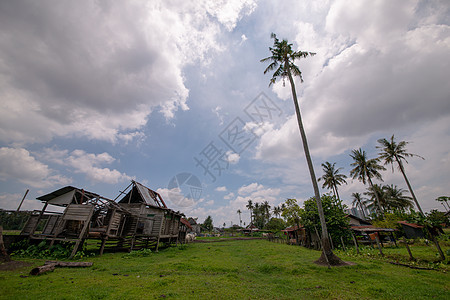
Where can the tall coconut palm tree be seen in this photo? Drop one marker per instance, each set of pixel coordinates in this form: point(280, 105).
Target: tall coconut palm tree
point(240, 220)
point(442, 200)
point(357, 201)
point(391, 152)
point(250, 208)
point(396, 199)
point(331, 178)
point(366, 169)
point(277, 211)
point(282, 62)
point(376, 194)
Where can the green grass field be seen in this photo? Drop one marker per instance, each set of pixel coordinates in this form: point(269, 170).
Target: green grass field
point(243, 269)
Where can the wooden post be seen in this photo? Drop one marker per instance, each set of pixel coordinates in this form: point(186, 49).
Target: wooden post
point(343, 245)
point(4, 257)
point(26, 193)
point(160, 230)
point(379, 244)
point(318, 236)
point(39, 218)
point(102, 247)
point(356, 243)
point(393, 238)
point(441, 253)
point(407, 248)
point(331, 241)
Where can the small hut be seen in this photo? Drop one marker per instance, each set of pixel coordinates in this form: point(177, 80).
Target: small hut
point(295, 234)
point(84, 212)
point(151, 221)
point(412, 230)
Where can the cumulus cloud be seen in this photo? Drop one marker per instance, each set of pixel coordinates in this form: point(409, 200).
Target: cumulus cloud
point(12, 202)
point(89, 164)
point(232, 157)
point(369, 76)
point(176, 199)
point(18, 164)
point(221, 188)
point(257, 191)
point(229, 196)
point(98, 69)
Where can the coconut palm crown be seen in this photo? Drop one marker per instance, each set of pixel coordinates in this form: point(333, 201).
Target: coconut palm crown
point(282, 60)
point(391, 152)
point(332, 178)
point(366, 169)
point(357, 200)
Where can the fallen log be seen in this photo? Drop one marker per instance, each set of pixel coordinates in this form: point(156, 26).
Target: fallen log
point(409, 266)
point(50, 265)
point(42, 269)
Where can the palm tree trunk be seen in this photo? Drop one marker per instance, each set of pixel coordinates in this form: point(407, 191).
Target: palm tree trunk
point(338, 198)
point(327, 254)
point(378, 198)
point(362, 209)
point(409, 185)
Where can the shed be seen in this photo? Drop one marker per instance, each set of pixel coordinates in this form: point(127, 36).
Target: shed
point(412, 230)
point(250, 229)
point(356, 221)
point(295, 234)
point(368, 233)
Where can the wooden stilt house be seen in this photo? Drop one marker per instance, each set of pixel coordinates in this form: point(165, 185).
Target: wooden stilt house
point(140, 219)
point(151, 221)
point(84, 213)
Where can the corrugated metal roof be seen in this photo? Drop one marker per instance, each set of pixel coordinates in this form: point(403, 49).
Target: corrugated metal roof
point(61, 192)
point(149, 196)
point(413, 225)
point(370, 228)
point(292, 228)
point(185, 222)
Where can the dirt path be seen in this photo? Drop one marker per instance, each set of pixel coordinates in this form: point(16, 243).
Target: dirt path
point(14, 264)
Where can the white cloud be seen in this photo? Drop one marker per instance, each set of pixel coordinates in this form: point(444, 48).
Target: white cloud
point(18, 164)
point(219, 116)
point(229, 12)
point(258, 191)
point(232, 157)
point(368, 76)
point(229, 196)
point(221, 189)
point(88, 164)
point(12, 202)
point(175, 199)
point(247, 189)
point(243, 39)
point(97, 70)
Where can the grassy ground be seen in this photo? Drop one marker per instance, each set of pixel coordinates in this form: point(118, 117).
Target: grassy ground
point(242, 269)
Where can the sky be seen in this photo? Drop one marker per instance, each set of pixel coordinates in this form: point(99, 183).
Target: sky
point(172, 94)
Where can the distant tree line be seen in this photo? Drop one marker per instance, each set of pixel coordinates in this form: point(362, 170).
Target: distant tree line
point(13, 220)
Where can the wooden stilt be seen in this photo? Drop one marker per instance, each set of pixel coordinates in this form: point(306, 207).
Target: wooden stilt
point(379, 244)
point(102, 247)
point(356, 243)
point(343, 245)
point(407, 248)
